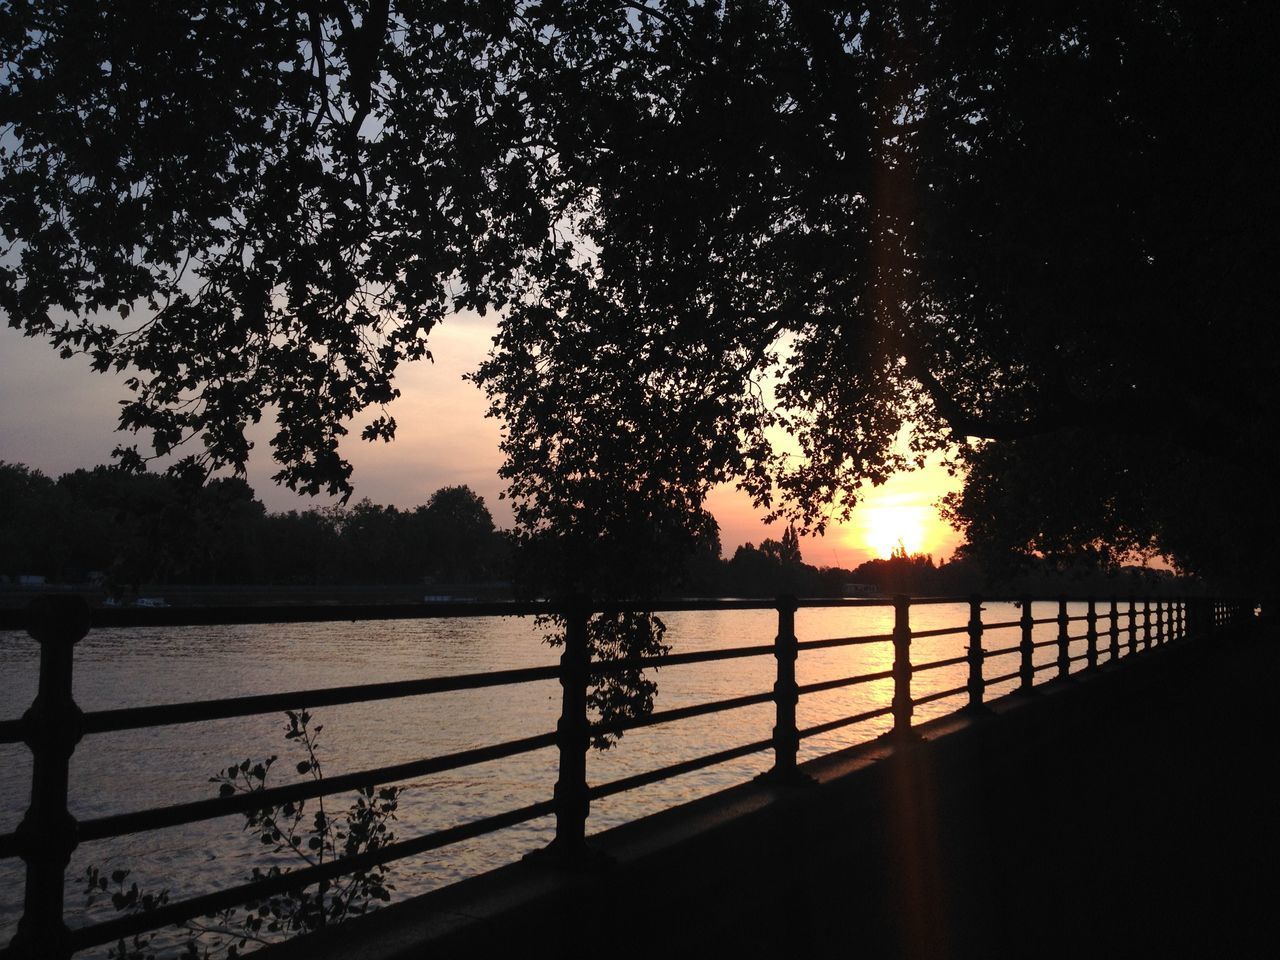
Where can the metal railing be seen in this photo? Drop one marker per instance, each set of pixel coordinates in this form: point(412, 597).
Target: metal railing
point(54, 725)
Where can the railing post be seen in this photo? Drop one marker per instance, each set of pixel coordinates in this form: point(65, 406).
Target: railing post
point(1133, 627)
point(47, 834)
point(786, 740)
point(901, 704)
point(1064, 639)
point(573, 734)
point(1146, 624)
point(976, 683)
point(1026, 668)
point(1161, 610)
point(1091, 636)
point(1113, 634)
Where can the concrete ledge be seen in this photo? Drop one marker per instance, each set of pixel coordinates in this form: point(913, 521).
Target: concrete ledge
point(1043, 827)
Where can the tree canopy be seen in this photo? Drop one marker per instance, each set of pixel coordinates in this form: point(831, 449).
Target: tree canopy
point(796, 246)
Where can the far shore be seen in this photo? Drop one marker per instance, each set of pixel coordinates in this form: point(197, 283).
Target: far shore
point(217, 595)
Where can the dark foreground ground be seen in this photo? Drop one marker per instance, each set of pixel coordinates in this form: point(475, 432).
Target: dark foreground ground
point(1132, 814)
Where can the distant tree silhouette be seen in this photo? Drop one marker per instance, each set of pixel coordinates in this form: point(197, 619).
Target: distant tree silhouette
point(902, 572)
point(456, 534)
point(155, 528)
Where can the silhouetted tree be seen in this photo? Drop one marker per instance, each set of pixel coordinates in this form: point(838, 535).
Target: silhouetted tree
point(371, 548)
point(36, 524)
point(457, 537)
point(300, 547)
point(902, 572)
point(705, 223)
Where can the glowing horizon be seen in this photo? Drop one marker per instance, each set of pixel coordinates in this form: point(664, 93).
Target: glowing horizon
point(57, 415)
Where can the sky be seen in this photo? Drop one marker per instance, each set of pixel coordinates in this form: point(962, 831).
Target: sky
point(57, 415)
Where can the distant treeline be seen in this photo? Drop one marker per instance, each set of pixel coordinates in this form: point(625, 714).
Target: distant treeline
point(136, 528)
point(143, 528)
point(776, 566)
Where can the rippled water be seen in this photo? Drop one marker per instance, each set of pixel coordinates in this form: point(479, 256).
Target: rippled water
point(114, 773)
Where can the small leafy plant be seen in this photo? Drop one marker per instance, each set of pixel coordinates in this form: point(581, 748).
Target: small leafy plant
point(303, 829)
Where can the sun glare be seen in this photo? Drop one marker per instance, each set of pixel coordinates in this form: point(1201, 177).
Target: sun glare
point(883, 528)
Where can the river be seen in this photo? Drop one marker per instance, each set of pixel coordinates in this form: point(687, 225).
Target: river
point(119, 772)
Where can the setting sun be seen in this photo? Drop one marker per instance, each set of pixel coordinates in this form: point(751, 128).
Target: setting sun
point(903, 510)
point(882, 528)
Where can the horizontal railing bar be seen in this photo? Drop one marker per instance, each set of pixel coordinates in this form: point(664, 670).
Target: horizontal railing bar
point(676, 605)
point(936, 664)
point(1051, 665)
point(11, 731)
point(941, 632)
point(684, 713)
point(844, 602)
point(843, 682)
point(1044, 643)
point(1045, 620)
point(888, 601)
point(678, 659)
point(192, 616)
point(17, 618)
point(121, 927)
point(843, 641)
point(158, 818)
point(131, 718)
point(1003, 625)
point(844, 722)
point(676, 769)
point(1077, 659)
point(1003, 678)
point(1001, 651)
point(940, 695)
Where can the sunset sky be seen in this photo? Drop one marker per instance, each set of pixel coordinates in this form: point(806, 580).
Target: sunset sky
point(56, 415)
